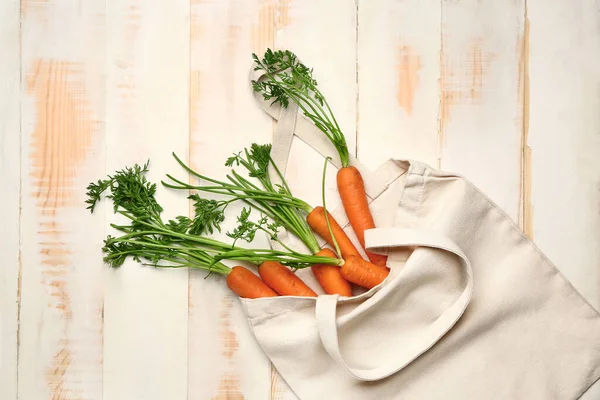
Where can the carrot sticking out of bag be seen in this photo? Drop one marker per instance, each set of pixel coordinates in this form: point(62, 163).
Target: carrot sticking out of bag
point(288, 79)
point(245, 284)
point(317, 221)
point(330, 276)
point(354, 198)
point(275, 202)
point(353, 268)
point(281, 279)
point(363, 273)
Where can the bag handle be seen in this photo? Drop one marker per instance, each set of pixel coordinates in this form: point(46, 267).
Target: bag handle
point(289, 125)
point(377, 239)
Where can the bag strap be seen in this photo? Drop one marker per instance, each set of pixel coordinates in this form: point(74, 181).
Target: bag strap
point(290, 125)
point(376, 240)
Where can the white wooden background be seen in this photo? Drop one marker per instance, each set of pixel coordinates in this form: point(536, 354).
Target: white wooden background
point(506, 92)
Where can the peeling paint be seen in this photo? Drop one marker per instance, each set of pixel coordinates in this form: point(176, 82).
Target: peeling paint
point(33, 5)
point(460, 85)
point(408, 67)
point(229, 386)
point(229, 389)
point(62, 136)
point(526, 209)
point(229, 340)
point(282, 14)
point(462, 78)
point(262, 33)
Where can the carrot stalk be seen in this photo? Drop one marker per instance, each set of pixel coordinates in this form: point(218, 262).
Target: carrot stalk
point(246, 284)
point(325, 212)
point(351, 188)
point(353, 268)
point(363, 273)
point(330, 277)
point(283, 281)
point(288, 79)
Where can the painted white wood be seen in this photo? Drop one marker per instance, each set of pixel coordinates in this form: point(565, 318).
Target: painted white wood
point(480, 110)
point(564, 137)
point(10, 152)
point(564, 140)
point(62, 103)
point(461, 85)
point(224, 360)
point(145, 312)
point(398, 72)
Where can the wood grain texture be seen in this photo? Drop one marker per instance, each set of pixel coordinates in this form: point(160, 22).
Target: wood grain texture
point(145, 312)
point(10, 174)
point(564, 137)
point(224, 360)
point(503, 92)
point(62, 102)
point(398, 76)
point(480, 108)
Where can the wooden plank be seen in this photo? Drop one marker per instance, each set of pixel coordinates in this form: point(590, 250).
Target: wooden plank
point(10, 174)
point(398, 75)
point(225, 361)
point(145, 329)
point(480, 84)
point(563, 138)
point(62, 102)
point(323, 35)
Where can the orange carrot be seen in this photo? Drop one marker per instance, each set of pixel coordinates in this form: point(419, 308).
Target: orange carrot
point(363, 273)
point(330, 277)
point(351, 188)
point(282, 280)
point(246, 284)
point(316, 220)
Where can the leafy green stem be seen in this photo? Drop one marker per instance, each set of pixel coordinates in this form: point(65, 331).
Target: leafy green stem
point(335, 243)
point(289, 79)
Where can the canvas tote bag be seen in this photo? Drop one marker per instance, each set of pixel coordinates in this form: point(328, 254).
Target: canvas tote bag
point(471, 309)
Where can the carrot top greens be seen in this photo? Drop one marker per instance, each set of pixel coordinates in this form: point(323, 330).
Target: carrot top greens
point(275, 201)
point(287, 78)
point(182, 241)
point(146, 237)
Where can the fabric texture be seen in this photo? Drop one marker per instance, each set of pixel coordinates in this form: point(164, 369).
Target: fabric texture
point(472, 309)
point(525, 332)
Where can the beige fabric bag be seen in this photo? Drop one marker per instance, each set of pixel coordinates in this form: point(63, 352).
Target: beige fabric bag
point(471, 309)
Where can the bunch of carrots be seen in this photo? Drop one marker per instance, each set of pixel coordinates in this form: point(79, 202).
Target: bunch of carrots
point(186, 242)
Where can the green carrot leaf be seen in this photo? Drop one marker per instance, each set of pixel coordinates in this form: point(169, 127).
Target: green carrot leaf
point(287, 79)
point(208, 215)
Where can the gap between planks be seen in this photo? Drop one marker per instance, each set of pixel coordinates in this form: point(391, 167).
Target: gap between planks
point(526, 206)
